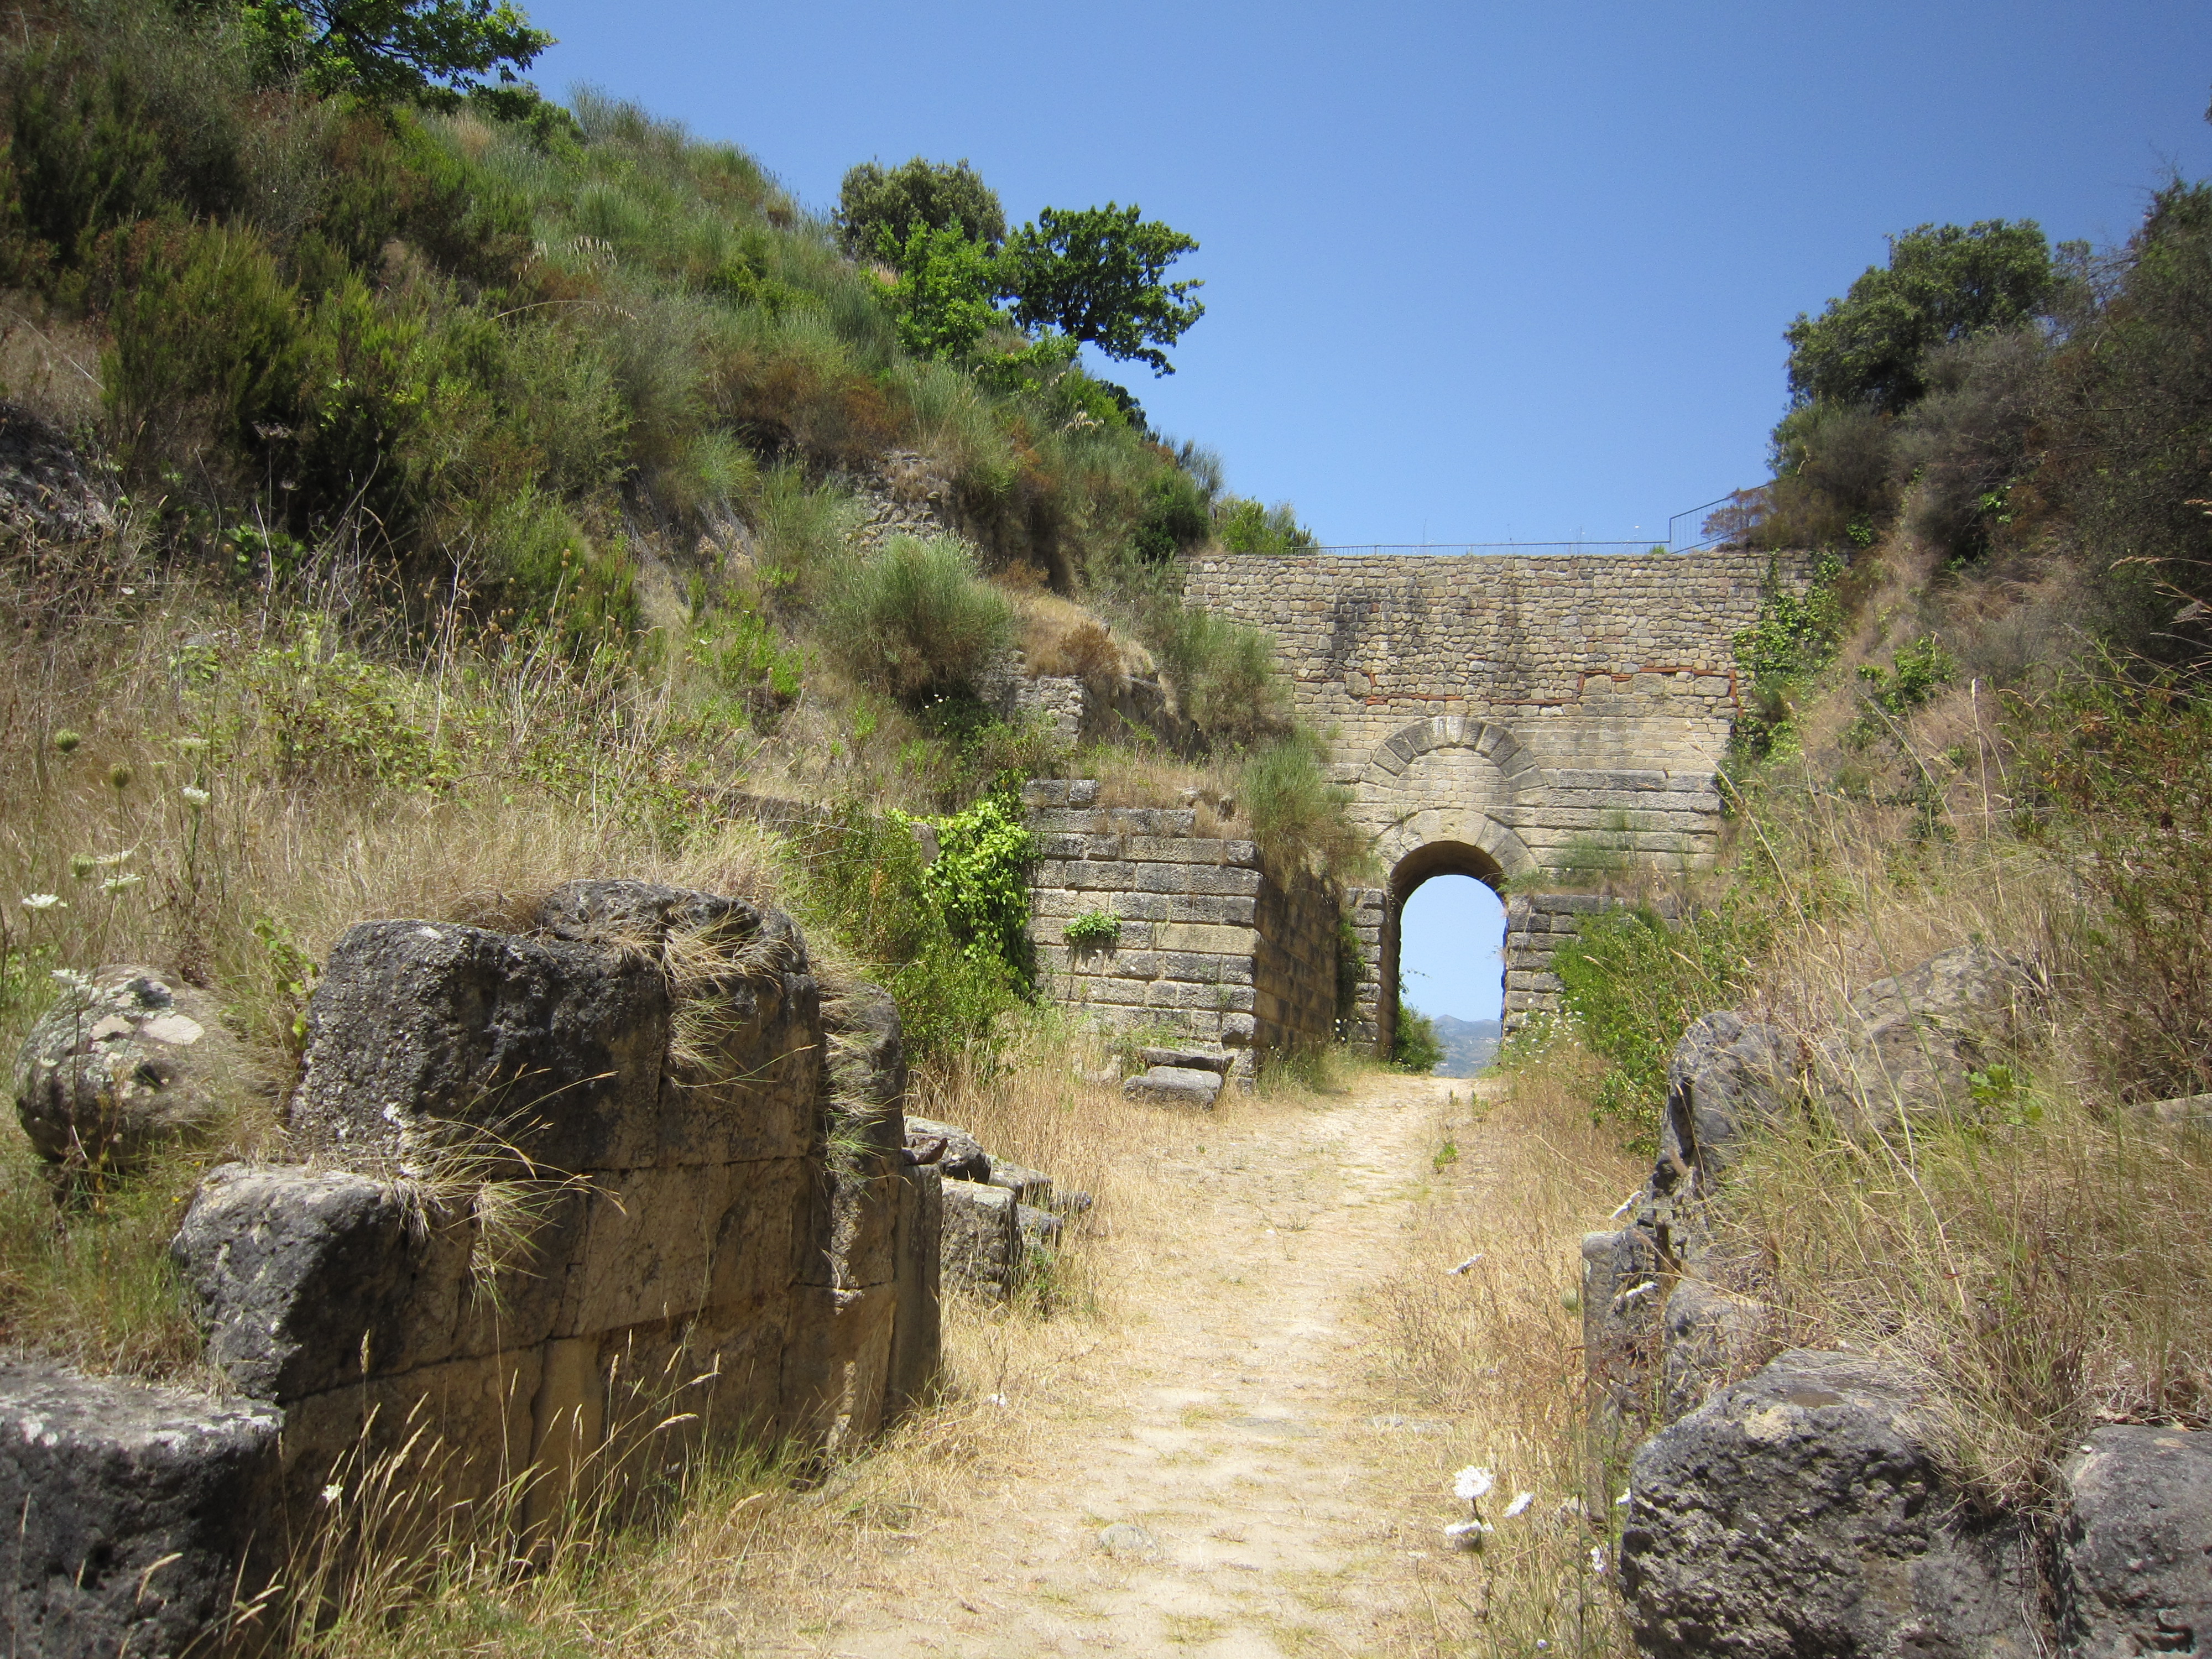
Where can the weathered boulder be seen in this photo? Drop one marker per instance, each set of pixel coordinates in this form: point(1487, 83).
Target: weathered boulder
point(2131, 1565)
point(951, 1149)
point(119, 1067)
point(1175, 1085)
point(1800, 1512)
point(982, 1237)
point(131, 1513)
point(46, 489)
point(1707, 1337)
point(1907, 1044)
point(1040, 1229)
point(1622, 1297)
point(1031, 1186)
point(1726, 1076)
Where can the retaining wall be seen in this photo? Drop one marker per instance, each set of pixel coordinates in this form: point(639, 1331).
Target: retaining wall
point(1212, 948)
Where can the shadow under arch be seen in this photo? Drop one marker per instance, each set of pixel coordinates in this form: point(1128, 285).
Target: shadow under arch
point(1423, 863)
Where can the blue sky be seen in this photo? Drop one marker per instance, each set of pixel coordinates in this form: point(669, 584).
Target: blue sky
point(1474, 272)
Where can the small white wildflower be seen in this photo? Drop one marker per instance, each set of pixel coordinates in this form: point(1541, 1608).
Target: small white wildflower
point(1471, 1483)
point(195, 796)
point(120, 883)
point(1460, 1531)
point(1597, 1559)
point(995, 1398)
point(1520, 1502)
point(1621, 1502)
point(43, 902)
point(333, 1492)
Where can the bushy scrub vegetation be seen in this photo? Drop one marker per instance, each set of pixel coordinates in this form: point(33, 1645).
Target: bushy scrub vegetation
point(1984, 723)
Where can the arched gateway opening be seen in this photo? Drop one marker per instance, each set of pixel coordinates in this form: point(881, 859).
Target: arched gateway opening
point(1425, 863)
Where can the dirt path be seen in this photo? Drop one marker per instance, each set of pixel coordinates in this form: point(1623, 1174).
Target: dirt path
point(1209, 1477)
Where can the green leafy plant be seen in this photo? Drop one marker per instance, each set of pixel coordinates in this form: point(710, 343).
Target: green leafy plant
point(874, 204)
point(980, 881)
point(915, 621)
point(1094, 929)
point(1095, 276)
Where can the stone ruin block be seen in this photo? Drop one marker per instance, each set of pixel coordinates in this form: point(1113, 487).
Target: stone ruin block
point(135, 1514)
point(707, 1212)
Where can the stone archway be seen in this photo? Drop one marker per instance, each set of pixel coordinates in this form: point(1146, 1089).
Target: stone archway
point(1424, 862)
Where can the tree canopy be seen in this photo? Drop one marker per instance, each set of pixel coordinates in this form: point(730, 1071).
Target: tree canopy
point(1094, 275)
point(394, 49)
point(873, 205)
point(1942, 284)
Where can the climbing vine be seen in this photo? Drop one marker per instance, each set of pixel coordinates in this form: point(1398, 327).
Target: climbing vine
point(979, 881)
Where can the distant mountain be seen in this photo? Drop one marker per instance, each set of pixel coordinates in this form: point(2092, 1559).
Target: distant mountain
point(1469, 1044)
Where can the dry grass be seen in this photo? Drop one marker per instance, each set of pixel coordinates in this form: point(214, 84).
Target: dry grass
point(753, 1545)
point(1497, 1350)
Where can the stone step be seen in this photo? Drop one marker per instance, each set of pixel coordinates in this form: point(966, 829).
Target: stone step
point(1175, 1085)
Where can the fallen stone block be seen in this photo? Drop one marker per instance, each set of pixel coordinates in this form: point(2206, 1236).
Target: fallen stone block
point(120, 1067)
point(1040, 1230)
point(1188, 1059)
point(982, 1244)
point(2132, 1544)
point(1726, 1077)
point(960, 1156)
point(1910, 1043)
point(1707, 1337)
point(131, 1513)
point(1801, 1511)
point(1175, 1085)
point(1029, 1186)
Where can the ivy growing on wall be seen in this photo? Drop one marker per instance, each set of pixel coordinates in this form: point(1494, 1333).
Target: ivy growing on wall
point(979, 882)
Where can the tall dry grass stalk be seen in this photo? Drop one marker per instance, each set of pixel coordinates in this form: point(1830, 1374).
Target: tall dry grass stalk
point(754, 1543)
point(1496, 1348)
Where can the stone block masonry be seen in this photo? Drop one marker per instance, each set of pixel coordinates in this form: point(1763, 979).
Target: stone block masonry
point(1500, 715)
point(1210, 949)
point(1514, 701)
point(582, 1201)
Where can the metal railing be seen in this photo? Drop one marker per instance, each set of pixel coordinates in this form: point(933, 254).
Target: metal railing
point(1584, 544)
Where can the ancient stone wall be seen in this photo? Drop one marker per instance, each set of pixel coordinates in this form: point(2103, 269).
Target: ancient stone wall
point(1210, 949)
point(1489, 712)
point(579, 1201)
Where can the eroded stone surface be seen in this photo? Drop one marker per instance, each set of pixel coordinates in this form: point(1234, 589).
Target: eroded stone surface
point(1908, 1043)
point(134, 1513)
point(2133, 1556)
point(1800, 1512)
point(117, 1069)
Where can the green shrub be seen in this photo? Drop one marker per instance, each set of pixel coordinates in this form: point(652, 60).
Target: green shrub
point(208, 343)
point(915, 621)
point(1094, 929)
point(873, 203)
point(1244, 526)
point(1224, 673)
point(1414, 1045)
point(2121, 779)
point(1300, 820)
point(979, 882)
point(1793, 639)
point(862, 881)
point(1174, 518)
point(1634, 981)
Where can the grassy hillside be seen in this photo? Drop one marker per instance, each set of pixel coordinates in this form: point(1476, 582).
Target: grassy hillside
point(1988, 724)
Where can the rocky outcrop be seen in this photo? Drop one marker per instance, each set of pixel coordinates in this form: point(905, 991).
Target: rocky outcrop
point(2131, 1557)
point(1908, 1044)
point(131, 1060)
point(1726, 1077)
point(46, 489)
point(1801, 1512)
point(135, 1514)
